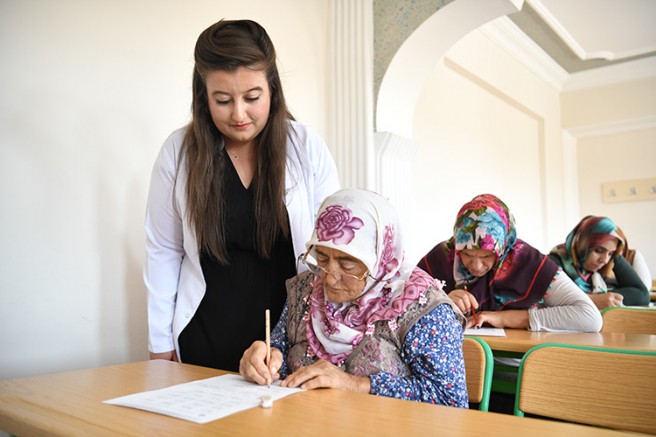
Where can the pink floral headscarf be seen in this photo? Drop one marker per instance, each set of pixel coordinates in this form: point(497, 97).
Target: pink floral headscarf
point(364, 225)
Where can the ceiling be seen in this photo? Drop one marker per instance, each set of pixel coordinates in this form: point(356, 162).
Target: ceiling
point(582, 35)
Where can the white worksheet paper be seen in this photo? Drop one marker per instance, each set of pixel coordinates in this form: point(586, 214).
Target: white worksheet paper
point(204, 400)
point(486, 332)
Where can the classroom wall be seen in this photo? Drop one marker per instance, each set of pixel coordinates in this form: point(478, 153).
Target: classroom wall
point(616, 129)
point(89, 91)
point(485, 124)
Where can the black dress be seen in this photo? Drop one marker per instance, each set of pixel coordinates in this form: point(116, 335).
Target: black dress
point(231, 314)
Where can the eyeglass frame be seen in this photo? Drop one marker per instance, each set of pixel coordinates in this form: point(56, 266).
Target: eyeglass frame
point(310, 265)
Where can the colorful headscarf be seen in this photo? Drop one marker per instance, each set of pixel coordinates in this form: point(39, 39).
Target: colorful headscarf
point(483, 223)
point(588, 234)
point(364, 225)
point(521, 276)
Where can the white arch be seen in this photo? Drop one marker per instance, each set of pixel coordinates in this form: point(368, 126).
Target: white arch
point(416, 58)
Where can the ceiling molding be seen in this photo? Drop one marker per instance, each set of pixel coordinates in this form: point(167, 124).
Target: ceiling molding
point(616, 73)
point(614, 127)
point(567, 37)
point(509, 37)
point(518, 45)
point(596, 29)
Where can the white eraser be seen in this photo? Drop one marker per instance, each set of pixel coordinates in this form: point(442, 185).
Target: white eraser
point(266, 401)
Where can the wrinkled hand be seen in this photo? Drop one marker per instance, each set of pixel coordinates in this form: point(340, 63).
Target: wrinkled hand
point(464, 300)
point(252, 365)
point(168, 356)
point(606, 300)
point(323, 374)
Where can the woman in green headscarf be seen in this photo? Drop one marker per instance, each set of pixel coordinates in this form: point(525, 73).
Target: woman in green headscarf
point(591, 256)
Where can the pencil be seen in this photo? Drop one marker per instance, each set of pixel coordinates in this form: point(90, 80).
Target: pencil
point(268, 342)
point(473, 312)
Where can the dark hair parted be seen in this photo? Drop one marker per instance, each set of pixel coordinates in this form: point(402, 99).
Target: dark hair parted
point(226, 46)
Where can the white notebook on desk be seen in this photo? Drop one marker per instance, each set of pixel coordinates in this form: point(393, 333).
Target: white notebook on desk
point(486, 332)
point(204, 400)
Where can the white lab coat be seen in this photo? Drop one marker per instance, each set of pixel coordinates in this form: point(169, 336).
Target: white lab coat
point(172, 272)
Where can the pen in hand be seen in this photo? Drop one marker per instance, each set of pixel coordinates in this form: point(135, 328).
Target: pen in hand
point(268, 345)
point(473, 313)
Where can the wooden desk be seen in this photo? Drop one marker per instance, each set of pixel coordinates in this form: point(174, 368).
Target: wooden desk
point(521, 340)
point(69, 404)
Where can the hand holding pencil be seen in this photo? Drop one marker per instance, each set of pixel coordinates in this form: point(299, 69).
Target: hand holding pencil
point(473, 311)
point(466, 302)
point(260, 362)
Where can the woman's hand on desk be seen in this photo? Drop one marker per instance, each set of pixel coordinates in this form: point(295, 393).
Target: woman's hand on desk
point(464, 299)
point(606, 300)
point(168, 356)
point(252, 365)
point(500, 319)
point(323, 374)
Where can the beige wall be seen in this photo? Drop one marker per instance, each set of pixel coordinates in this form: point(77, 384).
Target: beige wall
point(90, 89)
point(616, 129)
point(486, 125)
point(620, 102)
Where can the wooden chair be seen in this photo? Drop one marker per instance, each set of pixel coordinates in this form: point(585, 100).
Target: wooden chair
point(603, 387)
point(479, 365)
point(629, 320)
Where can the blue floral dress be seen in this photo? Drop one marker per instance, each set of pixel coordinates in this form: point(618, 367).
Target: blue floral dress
point(432, 349)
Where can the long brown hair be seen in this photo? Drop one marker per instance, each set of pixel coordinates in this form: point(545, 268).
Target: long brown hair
point(226, 46)
point(628, 254)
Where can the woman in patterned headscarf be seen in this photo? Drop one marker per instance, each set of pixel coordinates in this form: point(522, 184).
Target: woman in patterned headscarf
point(591, 256)
point(503, 281)
point(362, 319)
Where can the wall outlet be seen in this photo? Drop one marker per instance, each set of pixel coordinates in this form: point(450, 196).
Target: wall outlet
point(629, 190)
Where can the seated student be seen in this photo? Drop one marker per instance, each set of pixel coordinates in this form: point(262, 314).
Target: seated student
point(488, 269)
point(591, 257)
point(362, 319)
point(636, 260)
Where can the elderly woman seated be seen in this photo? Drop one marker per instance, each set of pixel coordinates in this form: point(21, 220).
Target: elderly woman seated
point(362, 319)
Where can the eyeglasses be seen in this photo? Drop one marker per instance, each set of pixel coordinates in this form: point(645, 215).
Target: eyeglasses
point(346, 278)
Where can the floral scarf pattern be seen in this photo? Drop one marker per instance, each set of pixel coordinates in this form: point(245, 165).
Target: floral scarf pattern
point(521, 276)
point(483, 223)
point(364, 225)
